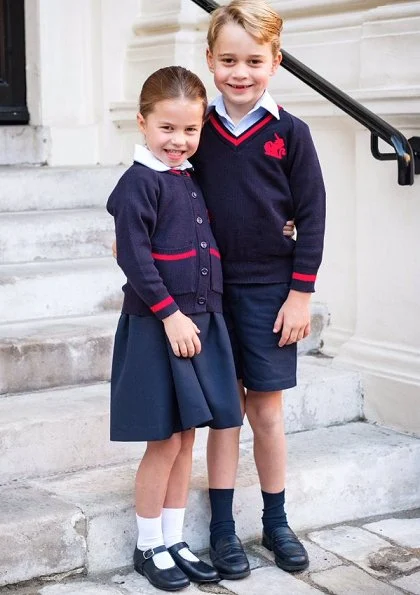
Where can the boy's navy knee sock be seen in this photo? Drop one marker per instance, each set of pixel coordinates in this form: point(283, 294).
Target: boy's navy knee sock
point(273, 511)
point(222, 523)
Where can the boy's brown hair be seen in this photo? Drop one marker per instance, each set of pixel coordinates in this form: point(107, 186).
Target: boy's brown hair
point(257, 17)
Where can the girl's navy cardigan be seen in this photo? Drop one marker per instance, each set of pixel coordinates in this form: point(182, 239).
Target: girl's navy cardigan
point(252, 185)
point(165, 245)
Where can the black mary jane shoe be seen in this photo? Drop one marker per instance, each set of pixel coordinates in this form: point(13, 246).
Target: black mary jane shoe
point(229, 558)
point(168, 579)
point(289, 553)
point(199, 571)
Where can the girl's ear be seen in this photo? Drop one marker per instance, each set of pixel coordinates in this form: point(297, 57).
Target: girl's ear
point(141, 122)
point(210, 60)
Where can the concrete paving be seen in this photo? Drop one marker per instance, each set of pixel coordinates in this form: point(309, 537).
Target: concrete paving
point(345, 564)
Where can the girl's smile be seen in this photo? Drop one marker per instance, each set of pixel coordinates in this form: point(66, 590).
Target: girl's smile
point(172, 130)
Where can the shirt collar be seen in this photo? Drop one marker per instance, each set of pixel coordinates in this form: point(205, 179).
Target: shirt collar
point(144, 156)
point(265, 101)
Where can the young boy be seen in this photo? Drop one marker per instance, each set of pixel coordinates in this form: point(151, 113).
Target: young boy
point(258, 167)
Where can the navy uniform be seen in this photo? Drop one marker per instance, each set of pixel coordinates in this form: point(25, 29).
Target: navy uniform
point(169, 255)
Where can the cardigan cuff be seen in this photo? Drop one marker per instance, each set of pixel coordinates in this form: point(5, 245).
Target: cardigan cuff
point(164, 308)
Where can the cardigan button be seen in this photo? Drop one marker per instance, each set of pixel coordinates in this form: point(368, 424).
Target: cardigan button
point(199, 220)
point(204, 271)
point(201, 301)
point(194, 194)
point(203, 245)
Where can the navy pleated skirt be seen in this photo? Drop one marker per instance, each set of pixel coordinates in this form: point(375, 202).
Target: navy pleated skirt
point(155, 394)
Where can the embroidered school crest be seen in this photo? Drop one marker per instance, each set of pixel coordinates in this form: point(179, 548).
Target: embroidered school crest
point(275, 148)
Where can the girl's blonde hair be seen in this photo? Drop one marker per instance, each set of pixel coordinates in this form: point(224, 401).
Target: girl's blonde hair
point(171, 82)
point(257, 17)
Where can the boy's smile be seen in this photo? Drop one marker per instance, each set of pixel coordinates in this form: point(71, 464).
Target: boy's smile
point(242, 68)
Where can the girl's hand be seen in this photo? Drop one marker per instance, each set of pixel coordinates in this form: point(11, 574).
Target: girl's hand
point(114, 248)
point(294, 318)
point(289, 228)
point(182, 334)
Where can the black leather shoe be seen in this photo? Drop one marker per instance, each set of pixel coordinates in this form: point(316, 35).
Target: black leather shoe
point(289, 553)
point(229, 558)
point(169, 579)
point(199, 572)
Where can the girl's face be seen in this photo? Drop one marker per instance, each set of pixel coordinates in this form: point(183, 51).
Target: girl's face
point(241, 67)
point(172, 130)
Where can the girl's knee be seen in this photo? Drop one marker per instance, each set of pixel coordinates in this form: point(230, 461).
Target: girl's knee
point(167, 449)
point(187, 440)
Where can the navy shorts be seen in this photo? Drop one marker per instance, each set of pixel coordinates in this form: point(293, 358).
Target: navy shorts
point(250, 312)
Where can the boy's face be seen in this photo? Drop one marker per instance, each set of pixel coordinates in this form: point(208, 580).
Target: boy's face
point(242, 68)
point(172, 130)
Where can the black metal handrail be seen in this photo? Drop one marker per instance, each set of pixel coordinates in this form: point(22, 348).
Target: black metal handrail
point(407, 152)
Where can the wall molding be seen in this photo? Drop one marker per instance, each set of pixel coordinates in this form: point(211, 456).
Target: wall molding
point(387, 360)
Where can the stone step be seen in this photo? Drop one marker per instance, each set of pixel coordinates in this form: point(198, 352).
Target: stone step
point(27, 188)
point(56, 235)
point(61, 288)
point(46, 353)
point(56, 431)
point(85, 521)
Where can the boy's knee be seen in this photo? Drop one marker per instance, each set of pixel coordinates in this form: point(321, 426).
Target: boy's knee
point(264, 412)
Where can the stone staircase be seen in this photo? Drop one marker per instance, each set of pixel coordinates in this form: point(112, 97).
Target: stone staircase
point(66, 492)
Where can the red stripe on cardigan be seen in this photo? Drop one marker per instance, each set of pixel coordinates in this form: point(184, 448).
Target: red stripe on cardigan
point(162, 304)
point(215, 252)
point(179, 256)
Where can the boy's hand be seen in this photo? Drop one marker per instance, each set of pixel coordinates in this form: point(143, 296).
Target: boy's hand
point(182, 334)
point(289, 228)
point(294, 318)
point(114, 247)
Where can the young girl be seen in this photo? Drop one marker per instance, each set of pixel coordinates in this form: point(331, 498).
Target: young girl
point(172, 368)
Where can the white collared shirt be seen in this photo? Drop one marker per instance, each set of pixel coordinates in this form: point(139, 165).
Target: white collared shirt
point(265, 104)
point(144, 156)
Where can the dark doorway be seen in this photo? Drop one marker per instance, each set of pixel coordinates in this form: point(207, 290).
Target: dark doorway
point(13, 108)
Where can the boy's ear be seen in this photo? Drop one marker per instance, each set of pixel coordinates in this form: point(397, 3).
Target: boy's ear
point(276, 62)
point(141, 122)
point(210, 60)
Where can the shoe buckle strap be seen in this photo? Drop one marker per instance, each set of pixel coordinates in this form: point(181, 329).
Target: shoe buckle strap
point(147, 554)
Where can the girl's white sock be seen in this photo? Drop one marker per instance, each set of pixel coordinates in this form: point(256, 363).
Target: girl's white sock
point(150, 536)
point(172, 525)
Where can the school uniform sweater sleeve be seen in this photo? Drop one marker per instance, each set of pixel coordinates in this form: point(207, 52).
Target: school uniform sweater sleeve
point(134, 205)
point(308, 191)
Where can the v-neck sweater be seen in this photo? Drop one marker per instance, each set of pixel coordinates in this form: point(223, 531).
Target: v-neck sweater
point(252, 185)
point(165, 244)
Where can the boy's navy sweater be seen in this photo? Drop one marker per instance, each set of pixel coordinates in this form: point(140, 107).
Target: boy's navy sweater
point(252, 185)
point(165, 245)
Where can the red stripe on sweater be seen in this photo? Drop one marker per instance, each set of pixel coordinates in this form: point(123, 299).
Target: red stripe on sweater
point(179, 256)
point(162, 304)
point(240, 139)
point(303, 277)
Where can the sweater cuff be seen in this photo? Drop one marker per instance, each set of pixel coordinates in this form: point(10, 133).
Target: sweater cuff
point(303, 282)
point(164, 308)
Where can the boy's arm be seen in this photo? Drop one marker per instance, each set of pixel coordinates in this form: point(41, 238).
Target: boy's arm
point(308, 191)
